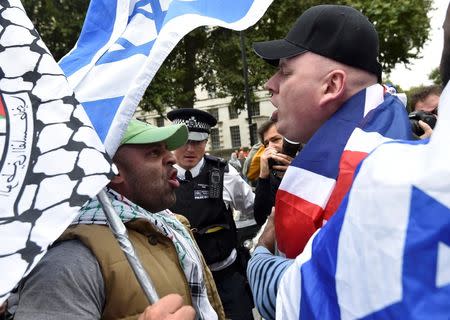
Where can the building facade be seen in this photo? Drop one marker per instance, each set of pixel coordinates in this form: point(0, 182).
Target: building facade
point(232, 130)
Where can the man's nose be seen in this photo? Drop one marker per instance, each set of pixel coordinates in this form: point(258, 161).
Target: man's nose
point(274, 146)
point(170, 158)
point(189, 147)
point(272, 85)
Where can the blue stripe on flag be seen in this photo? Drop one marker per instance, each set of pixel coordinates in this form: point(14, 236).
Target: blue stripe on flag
point(101, 113)
point(428, 227)
point(225, 10)
point(390, 113)
point(318, 292)
point(322, 153)
point(97, 30)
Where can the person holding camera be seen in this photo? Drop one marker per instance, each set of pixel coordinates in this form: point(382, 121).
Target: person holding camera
point(273, 165)
point(424, 103)
point(209, 191)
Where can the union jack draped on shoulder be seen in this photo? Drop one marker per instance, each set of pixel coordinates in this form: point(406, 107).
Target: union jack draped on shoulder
point(321, 174)
point(385, 253)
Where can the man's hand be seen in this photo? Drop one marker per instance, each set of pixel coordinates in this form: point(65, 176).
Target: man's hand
point(426, 129)
point(283, 161)
point(271, 153)
point(169, 307)
point(267, 238)
point(264, 169)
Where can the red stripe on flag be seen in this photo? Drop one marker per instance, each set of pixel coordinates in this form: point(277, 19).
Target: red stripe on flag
point(2, 109)
point(347, 166)
point(296, 220)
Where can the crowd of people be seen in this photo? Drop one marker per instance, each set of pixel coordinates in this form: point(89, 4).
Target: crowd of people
point(177, 202)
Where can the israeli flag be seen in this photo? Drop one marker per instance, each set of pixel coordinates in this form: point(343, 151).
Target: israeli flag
point(386, 253)
point(124, 42)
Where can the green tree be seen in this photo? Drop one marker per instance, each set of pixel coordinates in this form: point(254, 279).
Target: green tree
point(211, 57)
point(402, 26)
point(58, 22)
point(175, 83)
point(435, 76)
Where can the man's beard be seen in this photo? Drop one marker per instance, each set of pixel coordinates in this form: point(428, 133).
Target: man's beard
point(152, 198)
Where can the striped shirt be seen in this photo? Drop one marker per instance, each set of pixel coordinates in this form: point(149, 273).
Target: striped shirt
point(264, 274)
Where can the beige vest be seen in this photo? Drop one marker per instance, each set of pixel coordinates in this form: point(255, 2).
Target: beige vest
point(124, 298)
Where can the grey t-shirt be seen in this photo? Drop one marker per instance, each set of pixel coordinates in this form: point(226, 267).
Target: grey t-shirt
point(66, 284)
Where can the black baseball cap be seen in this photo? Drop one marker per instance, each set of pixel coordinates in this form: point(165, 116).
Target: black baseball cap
point(338, 32)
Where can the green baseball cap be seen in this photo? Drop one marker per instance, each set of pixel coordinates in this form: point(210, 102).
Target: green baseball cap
point(139, 132)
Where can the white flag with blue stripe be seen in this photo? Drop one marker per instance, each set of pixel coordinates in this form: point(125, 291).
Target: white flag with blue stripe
point(386, 253)
point(124, 42)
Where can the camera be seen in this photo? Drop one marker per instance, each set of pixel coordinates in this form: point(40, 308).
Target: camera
point(289, 148)
point(427, 117)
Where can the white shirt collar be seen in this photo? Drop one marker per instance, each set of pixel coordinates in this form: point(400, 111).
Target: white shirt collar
point(195, 171)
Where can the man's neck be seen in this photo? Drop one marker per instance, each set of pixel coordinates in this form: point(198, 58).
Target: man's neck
point(195, 171)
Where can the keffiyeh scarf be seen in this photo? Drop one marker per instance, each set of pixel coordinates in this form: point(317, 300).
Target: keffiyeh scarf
point(166, 223)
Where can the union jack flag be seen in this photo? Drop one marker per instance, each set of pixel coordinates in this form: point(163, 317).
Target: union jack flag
point(385, 254)
point(321, 174)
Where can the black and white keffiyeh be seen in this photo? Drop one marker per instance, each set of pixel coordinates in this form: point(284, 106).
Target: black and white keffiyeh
point(166, 223)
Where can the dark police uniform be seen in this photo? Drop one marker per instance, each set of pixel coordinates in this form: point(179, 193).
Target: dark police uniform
point(211, 220)
point(206, 196)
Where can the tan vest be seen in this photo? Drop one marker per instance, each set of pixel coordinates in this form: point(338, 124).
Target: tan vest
point(124, 298)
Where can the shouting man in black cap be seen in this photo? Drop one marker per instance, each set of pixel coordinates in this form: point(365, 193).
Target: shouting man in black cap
point(327, 96)
point(209, 190)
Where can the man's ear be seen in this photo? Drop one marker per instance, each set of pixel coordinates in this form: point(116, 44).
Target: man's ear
point(333, 87)
point(117, 181)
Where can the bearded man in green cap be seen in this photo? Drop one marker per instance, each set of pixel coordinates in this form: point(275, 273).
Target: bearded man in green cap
point(85, 275)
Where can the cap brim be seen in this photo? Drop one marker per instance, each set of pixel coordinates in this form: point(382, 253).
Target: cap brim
point(197, 136)
point(274, 50)
point(174, 136)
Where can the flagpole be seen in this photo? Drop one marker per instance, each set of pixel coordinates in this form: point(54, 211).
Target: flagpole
point(121, 234)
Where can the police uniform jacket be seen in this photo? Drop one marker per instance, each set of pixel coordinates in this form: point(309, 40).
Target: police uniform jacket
point(211, 218)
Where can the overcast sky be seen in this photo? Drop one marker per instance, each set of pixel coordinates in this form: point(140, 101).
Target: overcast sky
point(431, 53)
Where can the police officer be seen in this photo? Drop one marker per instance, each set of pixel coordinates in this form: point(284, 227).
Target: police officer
point(209, 190)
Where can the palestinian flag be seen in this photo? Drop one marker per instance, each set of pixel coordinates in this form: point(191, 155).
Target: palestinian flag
point(51, 159)
point(2, 127)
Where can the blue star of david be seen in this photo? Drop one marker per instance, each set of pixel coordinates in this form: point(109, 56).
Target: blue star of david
point(129, 49)
point(429, 224)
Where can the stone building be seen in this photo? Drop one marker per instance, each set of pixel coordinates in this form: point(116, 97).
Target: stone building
point(232, 129)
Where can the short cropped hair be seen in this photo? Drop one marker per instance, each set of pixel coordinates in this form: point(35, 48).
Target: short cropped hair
point(264, 128)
